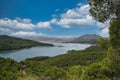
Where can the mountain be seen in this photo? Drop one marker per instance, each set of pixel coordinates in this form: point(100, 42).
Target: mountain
point(87, 38)
point(50, 39)
point(13, 43)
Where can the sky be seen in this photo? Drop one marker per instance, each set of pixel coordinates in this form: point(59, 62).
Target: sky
point(48, 18)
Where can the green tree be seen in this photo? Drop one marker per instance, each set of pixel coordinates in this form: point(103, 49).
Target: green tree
point(54, 73)
point(95, 72)
point(9, 69)
point(103, 43)
point(75, 73)
point(103, 10)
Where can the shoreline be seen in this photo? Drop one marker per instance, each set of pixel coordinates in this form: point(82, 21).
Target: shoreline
point(15, 49)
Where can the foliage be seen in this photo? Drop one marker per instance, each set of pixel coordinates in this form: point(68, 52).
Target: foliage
point(95, 72)
point(115, 33)
point(34, 67)
point(103, 10)
point(12, 43)
point(72, 58)
point(95, 48)
point(114, 56)
point(38, 58)
point(9, 69)
point(54, 73)
point(75, 72)
point(104, 43)
point(63, 64)
point(74, 65)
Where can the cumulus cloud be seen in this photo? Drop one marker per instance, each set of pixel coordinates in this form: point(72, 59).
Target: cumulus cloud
point(104, 32)
point(27, 34)
point(5, 31)
point(23, 24)
point(53, 21)
point(80, 17)
point(76, 17)
point(83, 22)
point(21, 27)
point(23, 20)
point(44, 25)
point(76, 13)
point(104, 28)
point(16, 24)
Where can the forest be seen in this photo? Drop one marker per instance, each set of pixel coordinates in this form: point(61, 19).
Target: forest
point(12, 43)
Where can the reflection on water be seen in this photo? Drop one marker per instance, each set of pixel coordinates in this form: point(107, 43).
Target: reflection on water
point(59, 48)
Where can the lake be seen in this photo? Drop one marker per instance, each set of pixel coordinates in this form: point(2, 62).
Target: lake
point(59, 48)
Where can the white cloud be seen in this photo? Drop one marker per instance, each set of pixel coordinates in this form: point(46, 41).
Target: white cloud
point(104, 28)
point(76, 17)
point(5, 31)
point(21, 27)
point(23, 24)
point(44, 25)
point(27, 34)
point(23, 20)
point(83, 22)
point(79, 4)
point(16, 24)
point(78, 12)
point(80, 17)
point(104, 32)
point(53, 21)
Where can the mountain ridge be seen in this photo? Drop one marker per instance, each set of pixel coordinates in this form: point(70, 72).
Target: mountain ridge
point(13, 43)
point(87, 38)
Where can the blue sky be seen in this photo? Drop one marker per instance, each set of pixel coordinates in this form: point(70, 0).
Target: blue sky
point(47, 18)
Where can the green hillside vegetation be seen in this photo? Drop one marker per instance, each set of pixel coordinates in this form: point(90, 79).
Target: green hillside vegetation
point(50, 68)
point(88, 64)
point(12, 43)
point(9, 69)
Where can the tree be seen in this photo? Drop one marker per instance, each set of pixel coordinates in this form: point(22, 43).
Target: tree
point(103, 43)
point(54, 74)
point(95, 72)
point(75, 72)
point(104, 10)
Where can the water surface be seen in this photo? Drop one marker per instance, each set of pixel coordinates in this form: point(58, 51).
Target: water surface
point(59, 48)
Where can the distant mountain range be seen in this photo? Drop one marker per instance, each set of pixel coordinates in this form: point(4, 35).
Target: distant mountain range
point(51, 39)
point(87, 38)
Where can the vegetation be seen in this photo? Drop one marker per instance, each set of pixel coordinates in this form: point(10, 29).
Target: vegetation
point(104, 43)
point(51, 68)
point(12, 43)
point(9, 69)
point(104, 10)
point(100, 62)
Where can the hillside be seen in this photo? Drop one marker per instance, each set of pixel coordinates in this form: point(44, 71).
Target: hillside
point(49, 68)
point(13, 43)
point(87, 38)
point(71, 58)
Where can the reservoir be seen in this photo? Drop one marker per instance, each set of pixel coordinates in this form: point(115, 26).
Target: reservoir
point(59, 48)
